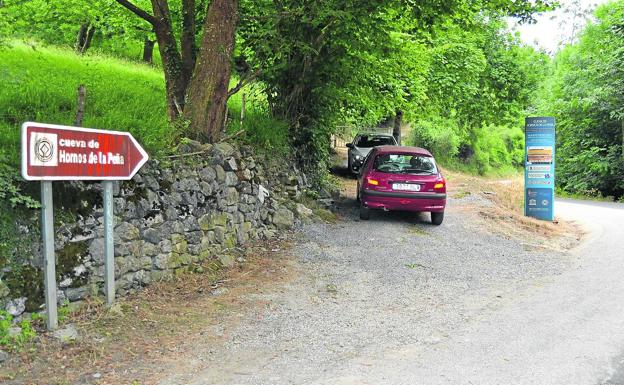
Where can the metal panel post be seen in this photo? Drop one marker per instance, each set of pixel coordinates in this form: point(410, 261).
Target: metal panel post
point(49, 260)
point(109, 255)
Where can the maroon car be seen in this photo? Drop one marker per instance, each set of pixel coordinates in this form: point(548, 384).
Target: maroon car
point(401, 178)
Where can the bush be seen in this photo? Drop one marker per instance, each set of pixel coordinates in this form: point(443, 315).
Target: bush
point(262, 131)
point(439, 136)
point(15, 341)
point(481, 150)
point(490, 147)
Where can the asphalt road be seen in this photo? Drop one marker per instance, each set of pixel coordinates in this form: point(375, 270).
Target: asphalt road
point(395, 300)
point(568, 331)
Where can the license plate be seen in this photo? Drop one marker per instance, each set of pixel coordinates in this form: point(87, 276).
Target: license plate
point(406, 186)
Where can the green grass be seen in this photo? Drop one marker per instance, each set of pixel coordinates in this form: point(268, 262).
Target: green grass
point(261, 130)
point(470, 168)
point(40, 84)
point(593, 196)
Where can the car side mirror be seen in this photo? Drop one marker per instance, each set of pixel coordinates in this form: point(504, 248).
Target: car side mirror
point(350, 145)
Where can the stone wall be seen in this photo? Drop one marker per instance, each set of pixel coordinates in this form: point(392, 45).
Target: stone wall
point(176, 213)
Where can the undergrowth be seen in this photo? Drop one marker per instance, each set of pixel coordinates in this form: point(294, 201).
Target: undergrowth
point(267, 134)
point(13, 337)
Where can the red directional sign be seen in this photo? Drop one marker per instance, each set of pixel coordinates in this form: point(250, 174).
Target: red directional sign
point(51, 152)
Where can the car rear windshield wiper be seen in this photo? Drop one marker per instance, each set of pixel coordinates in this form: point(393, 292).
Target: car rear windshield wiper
point(414, 170)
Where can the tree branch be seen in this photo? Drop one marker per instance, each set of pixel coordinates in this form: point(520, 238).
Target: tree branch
point(243, 82)
point(138, 11)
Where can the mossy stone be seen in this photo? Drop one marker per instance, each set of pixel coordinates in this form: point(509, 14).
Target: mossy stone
point(226, 260)
point(26, 281)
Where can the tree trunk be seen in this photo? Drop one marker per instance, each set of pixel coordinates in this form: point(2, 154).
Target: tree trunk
point(80, 105)
point(82, 37)
point(396, 129)
point(172, 62)
point(198, 89)
point(83, 40)
point(187, 40)
point(87, 43)
point(208, 90)
point(148, 50)
point(243, 106)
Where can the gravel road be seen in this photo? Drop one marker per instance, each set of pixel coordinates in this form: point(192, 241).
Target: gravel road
point(387, 301)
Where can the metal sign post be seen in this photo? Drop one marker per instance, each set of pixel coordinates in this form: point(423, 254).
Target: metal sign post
point(51, 152)
point(49, 260)
point(109, 245)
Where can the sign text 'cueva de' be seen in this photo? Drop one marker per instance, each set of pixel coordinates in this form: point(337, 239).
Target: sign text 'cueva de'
point(52, 152)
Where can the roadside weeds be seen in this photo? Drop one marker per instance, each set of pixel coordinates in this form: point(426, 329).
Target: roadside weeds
point(504, 214)
point(140, 337)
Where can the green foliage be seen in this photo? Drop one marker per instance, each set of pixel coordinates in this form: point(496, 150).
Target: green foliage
point(439, 135)
point(58, 22)
point(332, 62)
point(482, 149)
point(9, 187)
point(482, 82)
point(40, 84)
point(322, 64)
point(584, 92)
point(495, 148)
point(264, 132)
point(16, 341)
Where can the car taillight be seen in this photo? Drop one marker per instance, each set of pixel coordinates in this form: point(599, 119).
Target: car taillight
point(440, 184)
point(372, 182)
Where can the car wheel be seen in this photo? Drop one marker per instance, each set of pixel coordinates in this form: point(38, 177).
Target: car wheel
point(357, 193)
point(364, 212)
point(349, 164)
point(437, 218)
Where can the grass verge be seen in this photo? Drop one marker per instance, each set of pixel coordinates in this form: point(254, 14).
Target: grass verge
point(505, 211)
point(144, 337)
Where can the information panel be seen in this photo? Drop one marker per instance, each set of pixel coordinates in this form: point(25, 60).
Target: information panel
point(539, 171)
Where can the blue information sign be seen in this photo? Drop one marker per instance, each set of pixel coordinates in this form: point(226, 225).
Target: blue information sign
point(539, 169)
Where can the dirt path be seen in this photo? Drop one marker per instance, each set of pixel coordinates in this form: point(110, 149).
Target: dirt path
point(368, 290)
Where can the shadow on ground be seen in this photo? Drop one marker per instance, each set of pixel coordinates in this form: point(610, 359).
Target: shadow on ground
point(348, 206)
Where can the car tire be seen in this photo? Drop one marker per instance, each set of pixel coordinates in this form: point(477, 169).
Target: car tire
point(357, 193)
point(349, 165)
point(364, 212)
point(437, 218)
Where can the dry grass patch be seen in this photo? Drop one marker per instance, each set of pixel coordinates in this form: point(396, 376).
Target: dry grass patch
point(146, 335)
point(505, 213)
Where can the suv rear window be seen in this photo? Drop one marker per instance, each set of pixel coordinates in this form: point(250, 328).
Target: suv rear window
point(405, 164)
point(374, 141)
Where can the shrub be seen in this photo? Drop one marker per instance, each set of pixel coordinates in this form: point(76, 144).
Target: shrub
point(15, 341)
point(439, 136)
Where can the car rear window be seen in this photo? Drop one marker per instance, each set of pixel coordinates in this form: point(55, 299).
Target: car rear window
point(374, 141)
point(405, 164)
